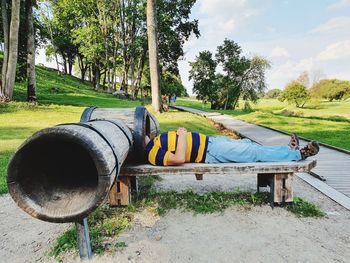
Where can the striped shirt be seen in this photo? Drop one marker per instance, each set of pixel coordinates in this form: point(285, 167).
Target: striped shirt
point(159, 148)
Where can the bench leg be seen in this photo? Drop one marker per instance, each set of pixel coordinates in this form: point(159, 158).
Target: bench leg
point(199, 177)
point(120, 193)
point(281, 189)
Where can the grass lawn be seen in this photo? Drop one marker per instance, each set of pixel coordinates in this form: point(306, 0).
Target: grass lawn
point(327, 122)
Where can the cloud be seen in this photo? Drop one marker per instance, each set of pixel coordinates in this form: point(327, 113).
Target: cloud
point(220, 7)
point(279, 52)
point(339, 4)
point(335, 51)
point(226, 16)
point(291, 70)
point(334, 24)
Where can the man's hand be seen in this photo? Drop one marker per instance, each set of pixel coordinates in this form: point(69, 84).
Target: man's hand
point(180, 153)
point(181, 131)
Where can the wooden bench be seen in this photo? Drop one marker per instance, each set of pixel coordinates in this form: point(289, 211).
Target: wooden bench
point(278, 176)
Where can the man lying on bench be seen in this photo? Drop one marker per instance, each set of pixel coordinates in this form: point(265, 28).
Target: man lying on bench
point(176, 148)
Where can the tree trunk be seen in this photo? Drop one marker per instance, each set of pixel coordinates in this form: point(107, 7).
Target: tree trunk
point(104, 80)
point(31, 87)
point(236, 99)
point(226, 101)
point(140, 71)
point(13, 49)
point(64, 63)
point(82, 67)
point(125, 81)
point(70, 64)
point(52, 43)
point(153, 54)
point(5, 25)
point(93, 74)
point(132, 69)
point(114, 64)
point(97, 76)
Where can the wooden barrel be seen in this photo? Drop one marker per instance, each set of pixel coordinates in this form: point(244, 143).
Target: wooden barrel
point(61, 174)
point(140, 121)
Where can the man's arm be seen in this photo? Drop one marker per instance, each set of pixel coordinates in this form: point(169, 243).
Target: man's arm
point(180, 153)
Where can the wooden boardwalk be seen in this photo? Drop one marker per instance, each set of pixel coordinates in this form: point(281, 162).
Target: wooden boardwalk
point(332, 165)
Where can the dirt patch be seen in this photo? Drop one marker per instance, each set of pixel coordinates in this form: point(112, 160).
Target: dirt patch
point(258, 234)
point(23, 238)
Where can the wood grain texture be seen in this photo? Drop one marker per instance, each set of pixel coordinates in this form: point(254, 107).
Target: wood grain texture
point(120, 192)
point(221, 168)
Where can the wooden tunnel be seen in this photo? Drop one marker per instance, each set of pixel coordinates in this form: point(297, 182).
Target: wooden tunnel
point(61, 174)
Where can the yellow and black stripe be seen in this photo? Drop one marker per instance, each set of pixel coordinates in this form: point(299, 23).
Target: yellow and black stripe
point(160, 147)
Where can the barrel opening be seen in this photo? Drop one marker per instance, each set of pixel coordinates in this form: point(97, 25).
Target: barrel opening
point(58, 174)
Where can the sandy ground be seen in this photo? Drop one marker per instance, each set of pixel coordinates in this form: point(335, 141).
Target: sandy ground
point(260, 234)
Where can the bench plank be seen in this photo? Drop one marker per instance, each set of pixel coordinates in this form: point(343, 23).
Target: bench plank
point(219, 168)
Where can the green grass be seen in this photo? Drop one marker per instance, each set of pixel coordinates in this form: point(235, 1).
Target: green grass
point(207, 203)
point(327, 122)
point(303, 208)
point(71, 91)
point(172, 120)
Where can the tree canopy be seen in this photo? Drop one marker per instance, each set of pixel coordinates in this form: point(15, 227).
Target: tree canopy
point(202, 73)
point(242, 77)
point(273, 93)
point(295, 93)
point(109, 38)
point(331, 89)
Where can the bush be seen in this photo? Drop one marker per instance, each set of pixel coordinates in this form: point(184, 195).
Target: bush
point(331, 89)
point(295, 93)
point(273, 94)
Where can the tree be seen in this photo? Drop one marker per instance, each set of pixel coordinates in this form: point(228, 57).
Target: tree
point(153, 54)
point(171, 84)
point(273, 93)
point(331, 89)
point(242, 78)
point(8, 82)
point(47, 22)
point(31, 86)
point(5, 25)
point(253, 80)
point(295, 93)
point(174, 29)
point(202, 73)
point(304, 79)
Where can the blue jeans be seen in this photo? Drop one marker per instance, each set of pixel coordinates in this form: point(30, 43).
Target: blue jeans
point(225, 150)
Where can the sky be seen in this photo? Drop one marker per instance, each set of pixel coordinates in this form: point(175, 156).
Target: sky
point(294, 35)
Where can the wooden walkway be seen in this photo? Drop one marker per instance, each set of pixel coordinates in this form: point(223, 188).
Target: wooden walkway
point(332, 165)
